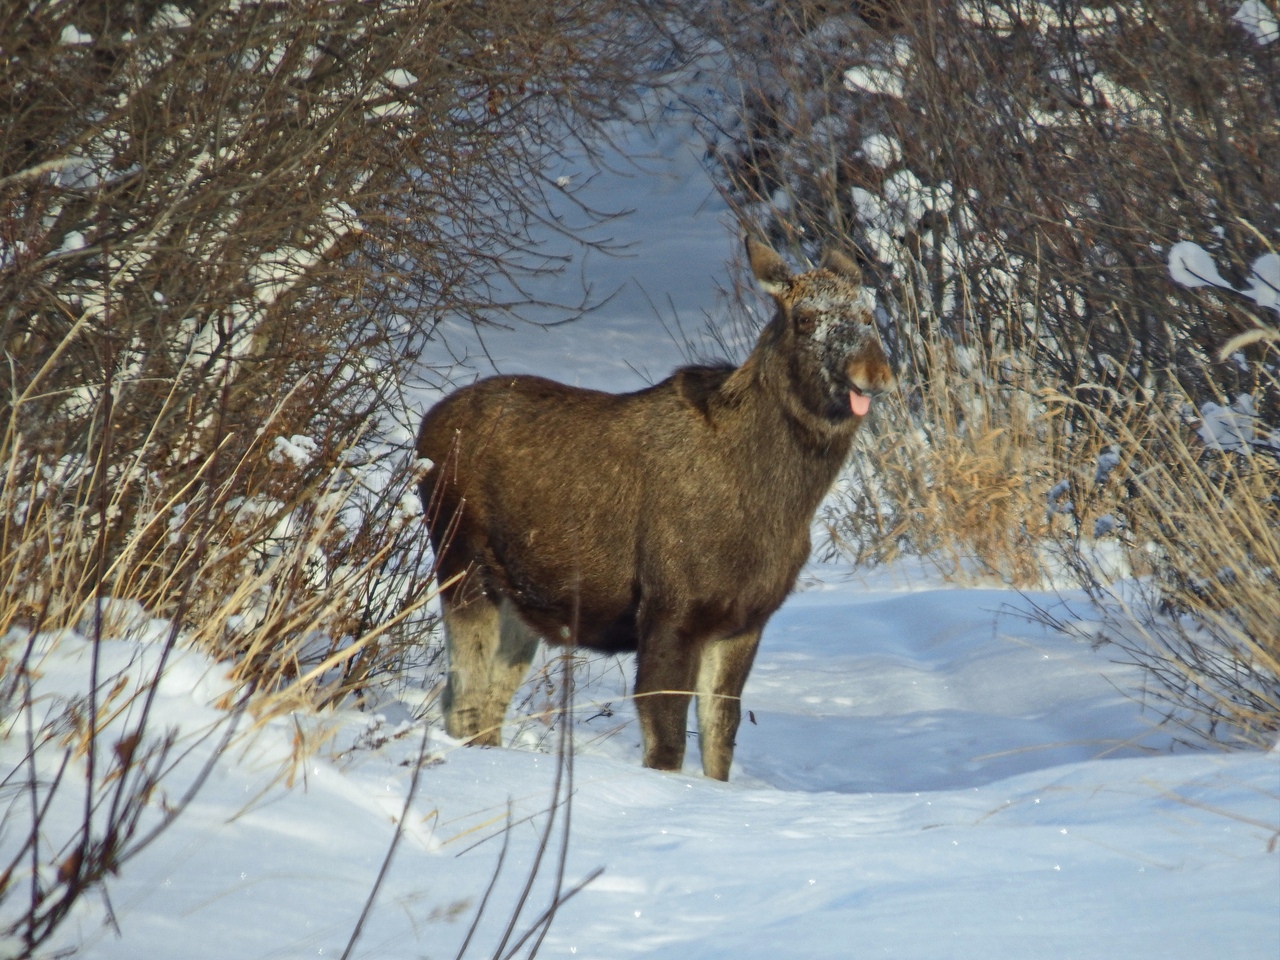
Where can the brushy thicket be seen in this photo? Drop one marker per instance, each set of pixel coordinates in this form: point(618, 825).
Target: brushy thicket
point(227, 230)
point(1017, 178)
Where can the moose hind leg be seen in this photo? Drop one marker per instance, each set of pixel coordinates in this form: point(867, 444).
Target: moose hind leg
point(665, 672)
point(722, 673)
point(517, 643)
point(471, 632)
point(490, 650)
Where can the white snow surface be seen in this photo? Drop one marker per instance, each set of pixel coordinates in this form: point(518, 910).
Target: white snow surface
point(1261, 22)
point(869, 78)
point(922, 772)
point(1191, 266)
point(929, 774)
point(659, 275)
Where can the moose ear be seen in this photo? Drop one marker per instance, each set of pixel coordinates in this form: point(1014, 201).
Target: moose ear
point(770, 270)
point(838, 263)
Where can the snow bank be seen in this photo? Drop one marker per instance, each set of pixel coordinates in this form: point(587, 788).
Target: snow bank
point(924, 773)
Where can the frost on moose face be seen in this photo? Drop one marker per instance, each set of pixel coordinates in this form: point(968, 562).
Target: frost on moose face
point(836, 315)
point(844, 328)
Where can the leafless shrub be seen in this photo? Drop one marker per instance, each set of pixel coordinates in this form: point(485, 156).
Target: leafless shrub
point(249, 218)
point(1046, 155)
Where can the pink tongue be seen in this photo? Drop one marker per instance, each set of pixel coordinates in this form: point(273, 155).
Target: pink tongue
point(859, 404)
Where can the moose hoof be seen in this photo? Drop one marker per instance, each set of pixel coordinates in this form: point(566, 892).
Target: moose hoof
point(465, 725)
point(664, 760)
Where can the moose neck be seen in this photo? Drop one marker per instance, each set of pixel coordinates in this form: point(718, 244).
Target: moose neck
point(804, 446)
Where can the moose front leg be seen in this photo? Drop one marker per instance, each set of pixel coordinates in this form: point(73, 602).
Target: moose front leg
point(665, 673)
point(722, 673)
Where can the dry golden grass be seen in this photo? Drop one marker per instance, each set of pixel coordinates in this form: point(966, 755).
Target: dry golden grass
point(1201, 528)
point(956, 470)
point(979, 469)
point(307, 602)
point(265, 595)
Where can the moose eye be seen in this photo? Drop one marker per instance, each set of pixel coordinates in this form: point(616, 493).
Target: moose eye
point(805, 318)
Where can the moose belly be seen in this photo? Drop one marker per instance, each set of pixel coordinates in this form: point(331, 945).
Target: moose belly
point(569, 604)
point(577, 590)
point(591, 629)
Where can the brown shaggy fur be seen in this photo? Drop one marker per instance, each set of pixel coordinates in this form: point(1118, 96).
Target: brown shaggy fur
point(672, 521)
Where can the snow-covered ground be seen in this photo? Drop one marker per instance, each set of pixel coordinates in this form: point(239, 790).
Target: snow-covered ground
point(925, 772)
point(929, 773)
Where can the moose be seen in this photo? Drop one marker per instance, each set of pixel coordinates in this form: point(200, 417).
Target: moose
point(672, 521)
